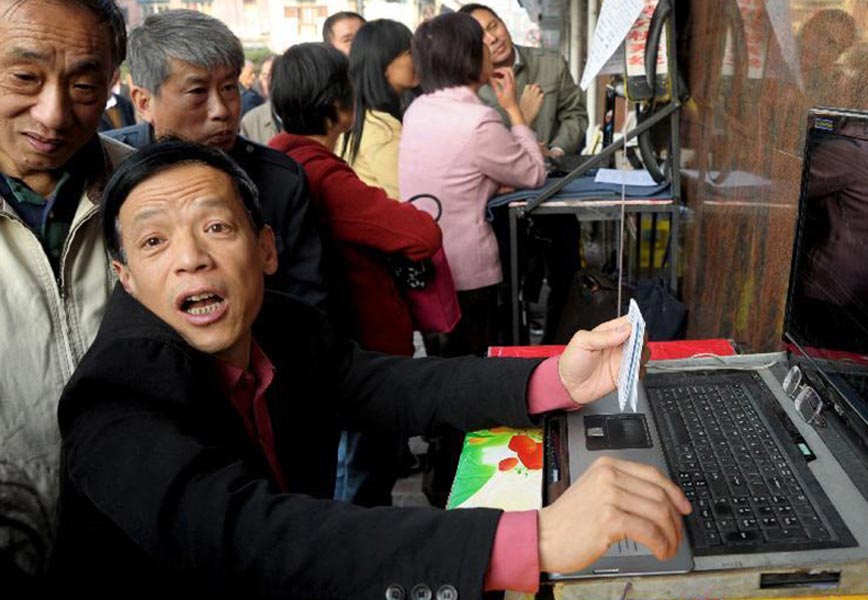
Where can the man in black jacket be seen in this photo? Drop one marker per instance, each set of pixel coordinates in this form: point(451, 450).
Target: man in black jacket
point(185, 67)
point(199, 432)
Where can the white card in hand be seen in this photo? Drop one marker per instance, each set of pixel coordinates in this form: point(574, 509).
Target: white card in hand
point(631, 359)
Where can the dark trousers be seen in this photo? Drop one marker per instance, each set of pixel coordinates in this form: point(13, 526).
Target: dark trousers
point(369, 464)
point(548, 248)
point(473, 333)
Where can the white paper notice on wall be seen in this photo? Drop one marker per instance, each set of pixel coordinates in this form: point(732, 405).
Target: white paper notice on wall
point(616, 18)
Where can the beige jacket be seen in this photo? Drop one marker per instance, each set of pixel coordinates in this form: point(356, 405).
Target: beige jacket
point(377, 161)
point(46, 325)
point(258, 124)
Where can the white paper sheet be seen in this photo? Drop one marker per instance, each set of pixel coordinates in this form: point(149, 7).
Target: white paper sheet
point(616, 18)
point(639, 177)
point(631, 359)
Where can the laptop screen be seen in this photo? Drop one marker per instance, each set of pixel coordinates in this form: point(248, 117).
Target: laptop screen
point(827, 304)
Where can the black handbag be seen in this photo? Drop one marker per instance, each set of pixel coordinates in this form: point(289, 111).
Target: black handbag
point(414, 274)
point(592, 299)
point(665, 315)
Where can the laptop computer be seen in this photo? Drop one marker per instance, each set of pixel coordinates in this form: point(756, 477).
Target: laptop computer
point(775, 483)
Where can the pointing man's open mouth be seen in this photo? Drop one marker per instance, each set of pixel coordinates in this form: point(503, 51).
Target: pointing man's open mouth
point(202, 307)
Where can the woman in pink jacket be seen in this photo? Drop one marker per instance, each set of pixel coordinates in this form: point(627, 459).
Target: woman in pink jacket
point(458, 149)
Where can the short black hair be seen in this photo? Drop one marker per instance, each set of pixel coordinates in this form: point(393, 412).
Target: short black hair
point(338, 16)
point(108, 13)
point(308, 84)
point(447, 51)
point(469, 9)
point(162, 156)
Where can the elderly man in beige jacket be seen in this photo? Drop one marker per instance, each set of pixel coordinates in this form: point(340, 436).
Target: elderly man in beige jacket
point(58, 59)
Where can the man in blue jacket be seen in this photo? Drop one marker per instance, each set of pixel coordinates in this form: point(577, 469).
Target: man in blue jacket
point(185, 67)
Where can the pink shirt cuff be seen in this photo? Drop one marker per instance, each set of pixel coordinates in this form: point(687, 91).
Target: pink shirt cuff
point(514, 561)
point(545, 391)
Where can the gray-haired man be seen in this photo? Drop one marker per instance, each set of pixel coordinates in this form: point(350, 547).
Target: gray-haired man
point(185, 67)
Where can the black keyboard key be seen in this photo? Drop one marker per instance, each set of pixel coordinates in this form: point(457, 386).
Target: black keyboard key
point(769, 522)
point(791, 534)
point(722, 508)
point(717, 484)
point(760, 500)
point(789, 521)
point(742, 537)
point(759, 489)
point(725, 525)
point(679, 431)
point(737, 485)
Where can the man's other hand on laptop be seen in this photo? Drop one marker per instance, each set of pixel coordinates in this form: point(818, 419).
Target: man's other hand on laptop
point(589, 366)
point(614, 499)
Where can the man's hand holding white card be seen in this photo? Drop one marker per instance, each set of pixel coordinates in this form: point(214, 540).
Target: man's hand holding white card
point(590, 365)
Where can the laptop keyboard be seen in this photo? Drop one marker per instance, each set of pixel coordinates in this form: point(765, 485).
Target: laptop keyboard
point(746, 497)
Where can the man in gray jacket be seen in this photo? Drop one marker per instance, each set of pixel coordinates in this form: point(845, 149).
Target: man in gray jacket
point(561, 119)
point(56, 65)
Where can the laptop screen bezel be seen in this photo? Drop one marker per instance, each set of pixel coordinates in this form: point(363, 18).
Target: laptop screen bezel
point(842, 400)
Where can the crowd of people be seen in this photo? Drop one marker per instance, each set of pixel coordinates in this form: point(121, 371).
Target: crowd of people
point(198, 310)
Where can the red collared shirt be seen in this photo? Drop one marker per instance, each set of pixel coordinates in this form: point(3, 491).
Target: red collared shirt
point(246, 391)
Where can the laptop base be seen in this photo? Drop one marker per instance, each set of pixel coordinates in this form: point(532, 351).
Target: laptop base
point(818, 580)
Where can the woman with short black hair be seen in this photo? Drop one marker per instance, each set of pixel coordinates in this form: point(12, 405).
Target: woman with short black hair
point(310, 89)
point(381, 69)
point(448, 52)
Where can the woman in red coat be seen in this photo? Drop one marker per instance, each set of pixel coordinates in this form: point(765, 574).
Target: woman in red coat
point(360, 224)
point(360, 227)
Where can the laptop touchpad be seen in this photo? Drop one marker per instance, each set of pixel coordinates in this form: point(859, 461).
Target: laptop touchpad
point(616, 432)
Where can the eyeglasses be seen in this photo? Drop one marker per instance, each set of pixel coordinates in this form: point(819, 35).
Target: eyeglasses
point(807, 401)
